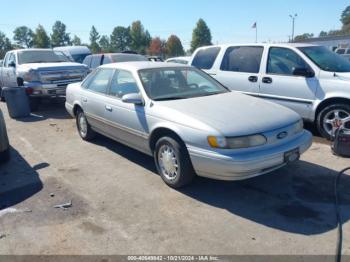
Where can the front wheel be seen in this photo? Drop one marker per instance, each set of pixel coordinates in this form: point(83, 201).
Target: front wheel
point(84, 128)
point(331, 118)
point(173, 162)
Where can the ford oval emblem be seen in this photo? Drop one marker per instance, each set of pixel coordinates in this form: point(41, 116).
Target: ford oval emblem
point(282, 135)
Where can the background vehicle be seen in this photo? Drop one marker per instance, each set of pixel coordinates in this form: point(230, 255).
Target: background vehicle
point(43, 72)
point(187, 121)
point(179, 60)
point(4, 142)
point(74, 53)
point(155, 59)
point(94, 61)
point(345, 52)
point(311, 80)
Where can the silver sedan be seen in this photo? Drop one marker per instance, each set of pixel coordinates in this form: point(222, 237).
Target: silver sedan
point(187, 121)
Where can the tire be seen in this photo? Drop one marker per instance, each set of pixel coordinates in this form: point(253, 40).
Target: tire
point(85, 132)
point(34, 103)
point(327, 114)
point(184, 172)
point(5, 156)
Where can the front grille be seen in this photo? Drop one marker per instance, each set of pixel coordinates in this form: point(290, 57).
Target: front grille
point(61, 77)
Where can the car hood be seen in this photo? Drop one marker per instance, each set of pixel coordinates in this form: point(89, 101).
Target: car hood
point(52, 66)
point(231, 114)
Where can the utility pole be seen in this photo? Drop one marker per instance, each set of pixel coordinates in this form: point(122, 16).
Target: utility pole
point(293, 17)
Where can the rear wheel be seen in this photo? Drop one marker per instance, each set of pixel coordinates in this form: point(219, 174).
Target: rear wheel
point(173, 162)
point(84, 128)
point(331, 118)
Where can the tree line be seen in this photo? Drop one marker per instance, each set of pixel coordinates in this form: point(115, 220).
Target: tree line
point(345, 29)
point(132, 38)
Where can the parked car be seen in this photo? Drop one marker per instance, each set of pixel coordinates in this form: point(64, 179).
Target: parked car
point(189, 122)
point(344, 52)
point(311, 80)
point(184, 60)
point(4, 141)
point(155, 59)
point(74, 53)
point(94, 61)
point(43, 72)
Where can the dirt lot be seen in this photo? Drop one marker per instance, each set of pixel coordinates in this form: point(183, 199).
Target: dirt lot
point(121, 206)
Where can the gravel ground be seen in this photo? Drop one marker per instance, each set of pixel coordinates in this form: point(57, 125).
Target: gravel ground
point(121, 206)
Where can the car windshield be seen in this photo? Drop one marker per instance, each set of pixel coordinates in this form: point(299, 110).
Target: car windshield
point(326, 59)
point(178, 83)
point(41, 56)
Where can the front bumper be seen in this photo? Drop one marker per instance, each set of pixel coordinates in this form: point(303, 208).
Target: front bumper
point(38, 89)
point(239, 166)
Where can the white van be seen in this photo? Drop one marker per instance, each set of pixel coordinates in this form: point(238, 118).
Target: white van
point(309, 79)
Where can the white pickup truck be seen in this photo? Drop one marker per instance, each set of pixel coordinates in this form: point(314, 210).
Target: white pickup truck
point(43, 72)
point(311, 80)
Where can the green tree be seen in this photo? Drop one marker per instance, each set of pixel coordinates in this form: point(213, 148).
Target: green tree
point(41, 39)
point(94, 37)
point(23, 36)
point(5, 45)
point(174, 46)
point(120, 39)
point(323, 34)
point(201, 35)
point(76, 40)
point(105, 44)
point(345, 16)
point(303, 37)
point(140, 38)
point(59, 36)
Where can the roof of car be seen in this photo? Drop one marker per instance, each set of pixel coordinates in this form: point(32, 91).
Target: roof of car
point(73, 49)
point(262, 44)
point(135, 66)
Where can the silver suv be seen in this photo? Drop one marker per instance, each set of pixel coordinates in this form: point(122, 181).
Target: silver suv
point(311, 80)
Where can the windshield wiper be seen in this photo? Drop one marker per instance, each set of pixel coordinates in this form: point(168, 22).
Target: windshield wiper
point(170, 98)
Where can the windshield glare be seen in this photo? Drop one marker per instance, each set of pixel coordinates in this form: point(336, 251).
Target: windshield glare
point(326, 59)
point(41, 56)
point(178, 83)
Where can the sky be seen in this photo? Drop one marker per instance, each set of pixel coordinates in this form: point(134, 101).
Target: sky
point(230, 21)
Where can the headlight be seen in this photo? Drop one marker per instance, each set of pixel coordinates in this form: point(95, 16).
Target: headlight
point(298, 127)
point(31, 76)
point(236, 142)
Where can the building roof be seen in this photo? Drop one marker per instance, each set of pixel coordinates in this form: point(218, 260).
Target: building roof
point(326, 38)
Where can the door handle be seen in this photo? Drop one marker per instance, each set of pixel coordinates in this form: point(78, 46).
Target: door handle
point(84, 100)
point(253, 79)
point(108, 108)
point(267, 80)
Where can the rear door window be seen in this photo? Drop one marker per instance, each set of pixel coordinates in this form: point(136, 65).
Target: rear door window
point(100, 82)
point(245, 59)
point(87, 61)
point(96, 61)
point(205, 58)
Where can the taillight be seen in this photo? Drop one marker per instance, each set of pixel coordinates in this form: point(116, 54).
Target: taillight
point(29, 91)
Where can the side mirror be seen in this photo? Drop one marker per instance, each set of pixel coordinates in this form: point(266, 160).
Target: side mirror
point(12, 64)
point(133, 98)
point(303, 72)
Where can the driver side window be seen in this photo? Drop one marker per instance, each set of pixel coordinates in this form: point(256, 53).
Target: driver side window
point(283, 61)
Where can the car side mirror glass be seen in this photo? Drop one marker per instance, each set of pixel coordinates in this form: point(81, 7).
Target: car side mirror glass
point(303, 72)
point(12, 64)
point(133, 98)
